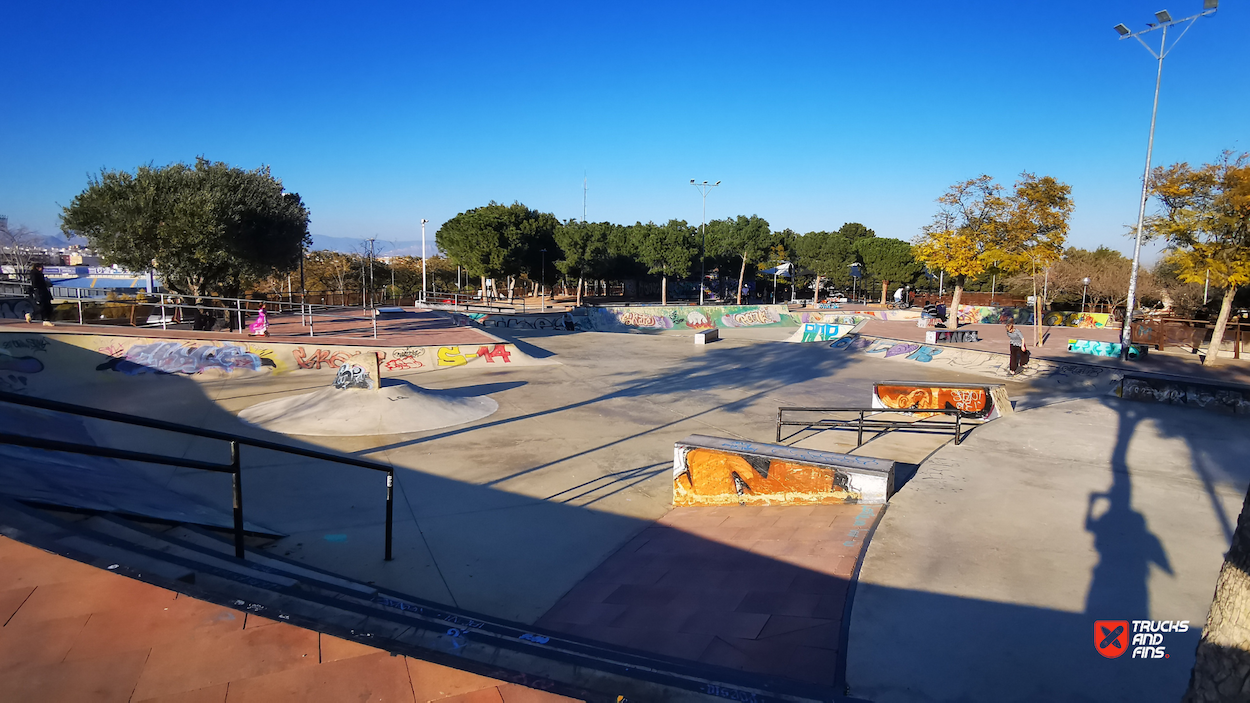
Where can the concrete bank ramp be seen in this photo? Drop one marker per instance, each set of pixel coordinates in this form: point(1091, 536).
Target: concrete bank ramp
point(718, 471)
point(340, 410)
point(981, 401)
point(1226, 398)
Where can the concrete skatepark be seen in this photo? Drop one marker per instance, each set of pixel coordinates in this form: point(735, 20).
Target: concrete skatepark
point(556, 509)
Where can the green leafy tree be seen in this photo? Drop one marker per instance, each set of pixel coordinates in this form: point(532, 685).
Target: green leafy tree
point(583, 248)
point(1205, 220)
point(498, 240)
point(206, 229)
point(889, 260)
point(665, 249)
point(855, 231)
point(746, 239)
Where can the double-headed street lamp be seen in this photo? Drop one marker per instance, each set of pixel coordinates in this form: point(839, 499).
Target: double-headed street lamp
point(423, 221)
point(703, 188)
point(1165, 23)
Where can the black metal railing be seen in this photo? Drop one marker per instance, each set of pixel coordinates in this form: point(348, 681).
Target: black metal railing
point(872, 424)
point(234, 467)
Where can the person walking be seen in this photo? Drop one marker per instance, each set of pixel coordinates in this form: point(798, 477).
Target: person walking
point(1019, 352)
point(43, 296)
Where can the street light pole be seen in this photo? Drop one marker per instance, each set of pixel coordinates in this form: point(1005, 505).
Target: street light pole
point(703, 188)
point(1083, 292)
point(423, 221)
point(543, 274)
point(1165, 22)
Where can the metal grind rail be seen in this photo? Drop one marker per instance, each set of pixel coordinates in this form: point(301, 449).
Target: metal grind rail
point(864, 421)
point(234, 467)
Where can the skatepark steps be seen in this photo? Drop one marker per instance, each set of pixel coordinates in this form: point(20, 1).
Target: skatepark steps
point(717, 471)
point(200, 564)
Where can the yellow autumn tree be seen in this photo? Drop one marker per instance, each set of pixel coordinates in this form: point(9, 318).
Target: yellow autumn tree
point(1205, 219)
point(1037, 227)
point(970, 221)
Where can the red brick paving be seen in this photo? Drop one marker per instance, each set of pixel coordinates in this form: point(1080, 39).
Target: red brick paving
point(760, 589)
point(73, 633)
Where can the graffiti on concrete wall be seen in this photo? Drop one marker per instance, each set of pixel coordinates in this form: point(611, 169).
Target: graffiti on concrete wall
point(828, 318)
point(185, 358)
point(994, 315)
point(1077, 319)
point(330, 358)
point(609, 319)
point(544, 321)
point(352, 376)
point(1108, 349)
point(1228, 399)
point(813, 332)
point(973, 401)
point(453, 356)
point(951, 336)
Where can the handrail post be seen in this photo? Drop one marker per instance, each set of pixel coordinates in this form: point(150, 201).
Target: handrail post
point(778, 425)
point(390, 508)
point(237, 476)
point(958, 432)
point(238, 305)
point(860, 441)
point(79, 309)
point(163, 311)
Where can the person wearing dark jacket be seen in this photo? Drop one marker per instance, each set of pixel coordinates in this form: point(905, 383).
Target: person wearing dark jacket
point(1019, 353)
point(43, 296)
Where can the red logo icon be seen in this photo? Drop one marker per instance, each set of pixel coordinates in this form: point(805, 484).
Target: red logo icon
point(1111, 637)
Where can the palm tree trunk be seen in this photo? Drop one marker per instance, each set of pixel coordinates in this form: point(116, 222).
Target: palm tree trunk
point(952, 315)
point(663, 290)
point(581, 283)
point(1221, 670)
point(1221, 324)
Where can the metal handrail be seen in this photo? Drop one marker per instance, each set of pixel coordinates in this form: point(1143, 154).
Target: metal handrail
point(234, 467)
point(878, 423)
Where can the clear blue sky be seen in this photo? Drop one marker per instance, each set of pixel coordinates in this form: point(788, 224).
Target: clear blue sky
point(812, 114)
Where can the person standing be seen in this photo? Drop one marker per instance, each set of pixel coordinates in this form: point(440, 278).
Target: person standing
point(43, 296)
point(1019, 353)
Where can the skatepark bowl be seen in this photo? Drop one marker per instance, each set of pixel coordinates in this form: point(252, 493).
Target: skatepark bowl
point(613, 516)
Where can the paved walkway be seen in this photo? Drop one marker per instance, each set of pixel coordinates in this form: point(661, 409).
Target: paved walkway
point(70, 632)
point(991, 565)
point(757, 589)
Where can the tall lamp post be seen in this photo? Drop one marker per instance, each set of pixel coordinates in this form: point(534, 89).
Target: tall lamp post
point(423, 221)
point(703, 188)
point(1165, 22)
point(1083, 292)
point(543, 274)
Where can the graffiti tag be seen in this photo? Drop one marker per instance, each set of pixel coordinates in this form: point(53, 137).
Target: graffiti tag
point(174, 357)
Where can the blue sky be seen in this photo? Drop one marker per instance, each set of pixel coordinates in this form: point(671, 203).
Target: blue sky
point(812, 114)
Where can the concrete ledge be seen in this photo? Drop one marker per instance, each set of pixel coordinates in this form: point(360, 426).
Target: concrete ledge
point(1231, 399)
point(705, 336)
point(983, 401)
point(1109, 349)
point(719, 471)
point(950, 336)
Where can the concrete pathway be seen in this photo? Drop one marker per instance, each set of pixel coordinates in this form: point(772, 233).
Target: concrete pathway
point(76, 634)
point(991, 565)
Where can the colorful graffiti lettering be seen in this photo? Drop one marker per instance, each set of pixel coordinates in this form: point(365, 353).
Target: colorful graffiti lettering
point(319, 358)
point(697, 320)
point(813, 332)
point(642, 319)
point(112, 350)
point(951, 336)
point(352, 376)
point(852, 342)
point(176, 357)
point(974, 402)
point(452, 356)
point(751, 318)
point(562, 321)
point(1077, 319)
point(925, 354)
point(1108, 349)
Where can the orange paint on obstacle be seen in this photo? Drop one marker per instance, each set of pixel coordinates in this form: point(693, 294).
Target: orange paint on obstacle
point(715, 477)
point(974, 401)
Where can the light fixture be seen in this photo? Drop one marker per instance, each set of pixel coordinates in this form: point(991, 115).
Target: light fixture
point(1163, 16)
point(1124, 31)
point(1210, 4)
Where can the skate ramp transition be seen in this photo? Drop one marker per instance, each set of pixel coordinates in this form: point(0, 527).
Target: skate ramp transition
point(986, 401)
point(717, 471)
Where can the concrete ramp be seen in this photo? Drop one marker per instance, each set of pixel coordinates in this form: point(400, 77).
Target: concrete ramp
point(980, 401)
point(718, 471)
point(1223, 398)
